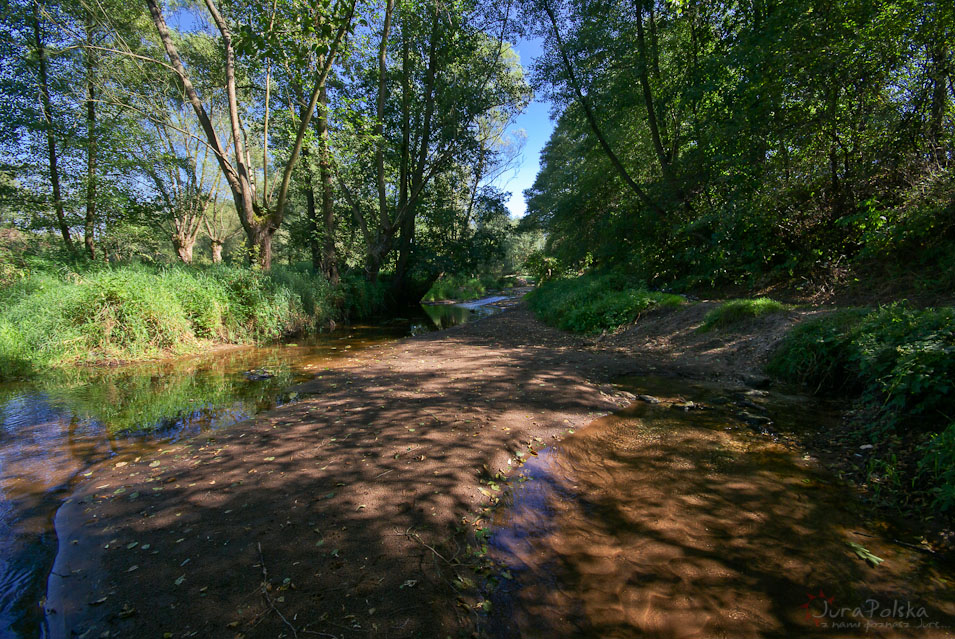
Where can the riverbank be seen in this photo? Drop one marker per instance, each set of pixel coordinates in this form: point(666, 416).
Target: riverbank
point(351, 504)
point(106, 315)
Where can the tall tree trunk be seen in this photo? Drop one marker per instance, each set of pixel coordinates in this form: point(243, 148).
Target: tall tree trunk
point(89, 225)
point(939, 75)
point(652, 120)
point(406, 212)
point(329, 257)
point(311, 214)
point(384, 218)
point(47, 105)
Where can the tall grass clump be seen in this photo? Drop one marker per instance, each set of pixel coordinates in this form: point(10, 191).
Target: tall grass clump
point(735, 311)
point(53, 319)
point(900, 362)
point(459, 287)
point(594, 303)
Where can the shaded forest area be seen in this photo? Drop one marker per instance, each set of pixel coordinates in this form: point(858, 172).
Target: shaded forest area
point(705, 144)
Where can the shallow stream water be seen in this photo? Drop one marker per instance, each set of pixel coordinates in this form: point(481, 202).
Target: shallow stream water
point(53, 429)
point(688, 515)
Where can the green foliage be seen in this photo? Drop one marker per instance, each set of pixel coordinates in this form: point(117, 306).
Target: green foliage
point(937, 468)
point(817, 353)
point(901, 358)
point(735, 311)
point(138, 312)
point(901, 361)
point(543, 267)
point(767, 145)
point(360, 298)
point(462, 287)
point(594, 303)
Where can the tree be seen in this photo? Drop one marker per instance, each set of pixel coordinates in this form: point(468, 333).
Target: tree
point(420, 119)
point(261, 214)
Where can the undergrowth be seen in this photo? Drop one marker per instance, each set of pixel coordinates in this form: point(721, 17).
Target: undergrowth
point(900, 362)
point(735, 311)
point(464, 287)
point(594, 303)
point(53, 319)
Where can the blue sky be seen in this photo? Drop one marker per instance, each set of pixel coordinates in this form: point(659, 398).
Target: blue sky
point(536, 123)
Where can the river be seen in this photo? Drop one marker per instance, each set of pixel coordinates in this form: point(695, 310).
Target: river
point(54, 428)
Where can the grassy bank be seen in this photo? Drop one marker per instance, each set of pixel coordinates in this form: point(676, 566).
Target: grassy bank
point(594, 303)
point(464, 287)
point(899, 363)
point(54, 319)
point(735, 311)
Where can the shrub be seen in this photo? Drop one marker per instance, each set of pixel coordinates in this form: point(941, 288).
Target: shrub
point(735, 311)
point(937, 468)
point(901, 362)
point(361, 298)
point(593, 303)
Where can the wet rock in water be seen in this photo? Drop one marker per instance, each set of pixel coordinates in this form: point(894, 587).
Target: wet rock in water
point(745, 403)
point(754, 420)
point(650, 399)
point(258, 375)
point(688, 406)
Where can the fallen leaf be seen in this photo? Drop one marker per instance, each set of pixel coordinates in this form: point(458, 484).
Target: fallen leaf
point(865, 554)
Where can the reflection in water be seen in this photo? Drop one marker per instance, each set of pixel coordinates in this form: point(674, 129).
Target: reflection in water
point(676, 521)
point(448, 315)
point(54, 428)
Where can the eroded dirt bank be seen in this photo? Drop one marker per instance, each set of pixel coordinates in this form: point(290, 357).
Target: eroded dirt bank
point(348, 503)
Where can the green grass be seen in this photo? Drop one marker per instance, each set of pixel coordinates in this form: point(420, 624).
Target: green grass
point(51, 320)
point(738, 310)
point(900, 362)
point(463, 287)
point(594, 303)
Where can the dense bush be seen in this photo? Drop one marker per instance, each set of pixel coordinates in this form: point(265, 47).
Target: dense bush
point(593, 303)
point(464, 287)
point(734, 311)
point(137, 312)
point(901, 361)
